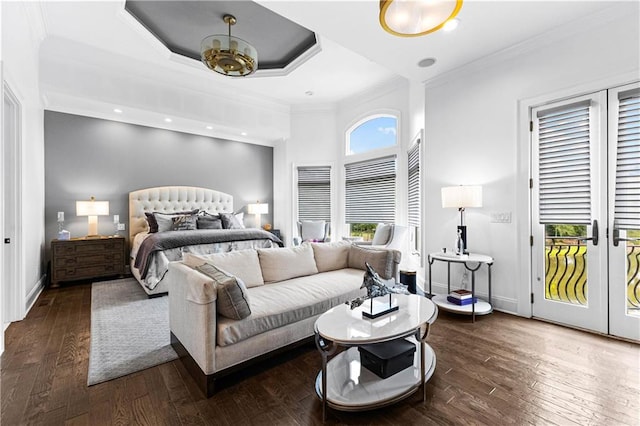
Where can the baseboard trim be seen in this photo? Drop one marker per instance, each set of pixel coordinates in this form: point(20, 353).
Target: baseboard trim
point(34, 294)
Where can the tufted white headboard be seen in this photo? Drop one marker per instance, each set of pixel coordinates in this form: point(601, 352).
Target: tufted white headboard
point(173, 199)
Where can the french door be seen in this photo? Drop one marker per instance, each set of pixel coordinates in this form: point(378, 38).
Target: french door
point(585, 189)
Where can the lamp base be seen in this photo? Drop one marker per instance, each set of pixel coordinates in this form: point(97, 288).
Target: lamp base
point(462, 229)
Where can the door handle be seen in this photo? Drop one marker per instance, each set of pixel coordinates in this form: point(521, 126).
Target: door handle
point(616, 236)
point(594, 234)
point(7, 240)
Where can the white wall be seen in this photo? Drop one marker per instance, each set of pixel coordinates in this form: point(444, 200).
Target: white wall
point(21, 36)
point(472, 134)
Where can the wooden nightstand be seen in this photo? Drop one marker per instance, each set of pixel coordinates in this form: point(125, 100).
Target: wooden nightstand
point(86, 258)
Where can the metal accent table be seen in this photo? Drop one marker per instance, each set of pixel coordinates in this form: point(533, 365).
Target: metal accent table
point(472, 262)
point(343, 384)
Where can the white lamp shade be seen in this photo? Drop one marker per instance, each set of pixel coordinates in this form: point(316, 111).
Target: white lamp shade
point(258, 208)
point(92, 208)
point(462, 196)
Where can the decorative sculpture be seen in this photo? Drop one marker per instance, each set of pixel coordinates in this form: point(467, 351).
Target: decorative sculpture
point(375, 287)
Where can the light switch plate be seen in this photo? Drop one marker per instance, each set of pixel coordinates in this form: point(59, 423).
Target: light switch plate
point(501, 217)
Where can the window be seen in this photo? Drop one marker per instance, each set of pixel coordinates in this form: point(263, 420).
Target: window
point(370, 194)
point(314, 193)
point(374, 133)
point(414, 196)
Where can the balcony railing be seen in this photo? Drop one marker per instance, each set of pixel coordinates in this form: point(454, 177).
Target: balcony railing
point(566, 272)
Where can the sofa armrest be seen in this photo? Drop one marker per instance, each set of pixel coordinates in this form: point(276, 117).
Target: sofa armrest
point(192, 313)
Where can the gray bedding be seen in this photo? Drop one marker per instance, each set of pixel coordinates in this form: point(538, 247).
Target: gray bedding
point(174, 239)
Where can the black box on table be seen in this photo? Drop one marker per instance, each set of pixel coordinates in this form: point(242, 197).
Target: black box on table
point(387, 358)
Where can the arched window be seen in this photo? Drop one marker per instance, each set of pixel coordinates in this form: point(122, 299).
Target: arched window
point(374, 132)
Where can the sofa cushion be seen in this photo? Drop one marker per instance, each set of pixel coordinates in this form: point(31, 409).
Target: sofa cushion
point(382, 261)
point(279, 264)
point(331, 256)
point(233, 299)
point(243, 264)
point(294, 300)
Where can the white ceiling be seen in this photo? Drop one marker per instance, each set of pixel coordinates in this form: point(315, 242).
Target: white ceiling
point(344, 27)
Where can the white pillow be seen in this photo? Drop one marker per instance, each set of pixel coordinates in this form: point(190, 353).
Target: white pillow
point(312, 230)
point(244, 264)
point(279, 264)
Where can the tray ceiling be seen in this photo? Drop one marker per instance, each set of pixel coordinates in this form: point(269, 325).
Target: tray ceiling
point(181, 26)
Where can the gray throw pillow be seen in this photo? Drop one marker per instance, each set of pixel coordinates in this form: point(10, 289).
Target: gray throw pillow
point(152, 219)
point(233, 299)
point(209, 222)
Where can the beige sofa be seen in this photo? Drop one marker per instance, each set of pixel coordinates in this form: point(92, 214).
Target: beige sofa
point(287, 289)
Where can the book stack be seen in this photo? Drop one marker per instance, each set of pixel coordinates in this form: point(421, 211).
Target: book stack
point(461, 297)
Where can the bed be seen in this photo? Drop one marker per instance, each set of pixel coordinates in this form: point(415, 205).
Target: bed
point(152, 252)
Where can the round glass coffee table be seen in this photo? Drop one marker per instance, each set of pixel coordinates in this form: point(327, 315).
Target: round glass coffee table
point(343, 384)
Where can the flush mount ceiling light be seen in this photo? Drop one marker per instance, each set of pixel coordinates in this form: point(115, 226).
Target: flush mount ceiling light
point(413, 18)
point(227, 55)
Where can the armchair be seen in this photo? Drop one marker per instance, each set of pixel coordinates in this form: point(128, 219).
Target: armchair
point(312, 230)
point(389, 236)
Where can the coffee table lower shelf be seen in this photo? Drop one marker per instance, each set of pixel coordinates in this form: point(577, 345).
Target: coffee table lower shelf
point(351, 387)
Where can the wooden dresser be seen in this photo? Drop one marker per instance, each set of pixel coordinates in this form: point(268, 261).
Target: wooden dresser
point(86, 258)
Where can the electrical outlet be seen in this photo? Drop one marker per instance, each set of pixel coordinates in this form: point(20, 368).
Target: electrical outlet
point(501, 217)
point(121, 227)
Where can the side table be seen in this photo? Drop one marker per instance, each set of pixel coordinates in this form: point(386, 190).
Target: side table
point(472, 262)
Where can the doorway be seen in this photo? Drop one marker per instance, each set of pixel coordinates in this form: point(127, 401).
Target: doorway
point(11, 182)
point(585, 198)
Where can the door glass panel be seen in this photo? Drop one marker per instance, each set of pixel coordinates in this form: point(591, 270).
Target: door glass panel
point(566, 263)
point(633, 273)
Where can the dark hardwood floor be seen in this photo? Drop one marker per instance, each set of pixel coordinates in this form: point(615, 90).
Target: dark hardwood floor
point(501, 370)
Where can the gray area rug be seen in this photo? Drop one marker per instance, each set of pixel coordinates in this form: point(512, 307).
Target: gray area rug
point(129, 332)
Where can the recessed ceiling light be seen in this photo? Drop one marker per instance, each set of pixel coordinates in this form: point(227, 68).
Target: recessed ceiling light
point(168, 120)
point(117, 110)
point(209, 127)
point(426, 62)
point(451, 25)
point(244, 133)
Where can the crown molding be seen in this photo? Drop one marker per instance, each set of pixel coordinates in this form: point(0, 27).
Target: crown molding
point(37, 21)
point(576, 27)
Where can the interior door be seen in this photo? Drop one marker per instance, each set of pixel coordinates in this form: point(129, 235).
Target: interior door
point(624, 211)
point(569, 216)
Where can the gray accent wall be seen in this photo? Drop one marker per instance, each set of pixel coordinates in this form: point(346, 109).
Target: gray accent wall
point(87, 157)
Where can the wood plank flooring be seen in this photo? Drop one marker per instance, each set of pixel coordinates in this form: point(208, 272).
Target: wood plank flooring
point(501, 370)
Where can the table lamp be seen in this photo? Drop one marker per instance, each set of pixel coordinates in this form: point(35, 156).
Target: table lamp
point(258, 209)
point(92, 209)
point(461, 197)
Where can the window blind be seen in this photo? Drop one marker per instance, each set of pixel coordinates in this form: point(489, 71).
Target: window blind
point(370, 188)
point(564, 164)
point(627, 198)
point(314, 193)
point(414, 184)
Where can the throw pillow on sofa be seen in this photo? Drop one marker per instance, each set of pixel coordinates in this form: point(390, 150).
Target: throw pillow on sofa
point(331, 256)
point(233, 300)
point(378, 259)
point(243, 264)
point(279, 264)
